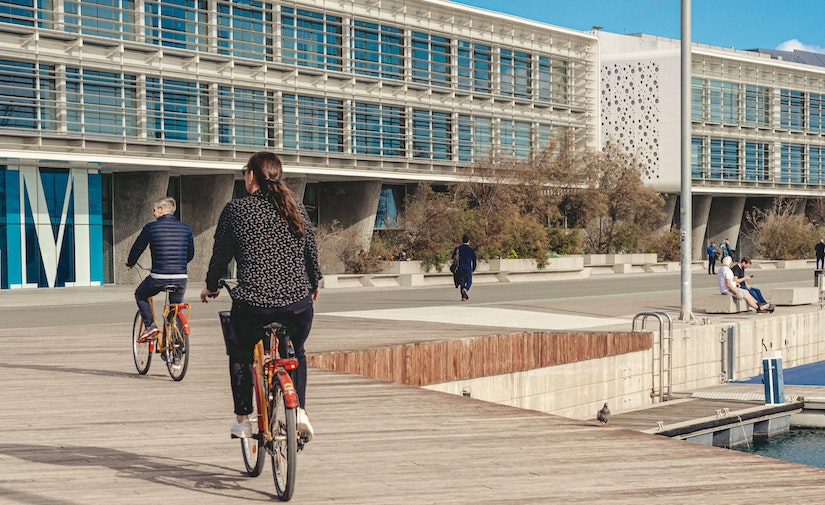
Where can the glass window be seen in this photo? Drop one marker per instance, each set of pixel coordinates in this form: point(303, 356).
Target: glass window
point(697, 148)
point(792, 160)
point(378, 129)
point(544, 135)
point(177, 23)
point(473, 67)
point(792, 109)
point(377, 50)
point(27, 95)
point(723, 102)
point(430, 59)
point(313, 124)
point(516, 74)
point(242, 116)
point(757, 106)
point(756, 161)
point(432, 134)
point(816, 121)
point(244, 29)
point(697, 99)
point(816, 165)
point(724, 159)
point(389, 205)
point(475, 137)
point(101, 103)
point(25, 12)
point(552, 80)
point(104, 18)
point(311, 39)
point(176, 110)
point(515, 138)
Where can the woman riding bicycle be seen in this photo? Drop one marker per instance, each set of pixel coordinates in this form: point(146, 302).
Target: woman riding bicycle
point(270, 237)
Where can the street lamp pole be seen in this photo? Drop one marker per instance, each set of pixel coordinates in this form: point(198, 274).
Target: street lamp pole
point(686, 199)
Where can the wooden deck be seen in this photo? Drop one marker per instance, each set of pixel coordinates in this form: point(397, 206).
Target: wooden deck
point(79, 426)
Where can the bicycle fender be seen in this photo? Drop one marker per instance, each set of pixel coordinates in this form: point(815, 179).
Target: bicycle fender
point(185, 321)
point(290, 396)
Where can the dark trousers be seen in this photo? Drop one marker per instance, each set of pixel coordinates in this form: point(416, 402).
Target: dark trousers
point(820, 262)
point(465, 279)
point(712, 264)
point(248, 322)
point(150, 287)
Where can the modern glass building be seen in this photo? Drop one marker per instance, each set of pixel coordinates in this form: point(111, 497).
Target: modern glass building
point(758, 126)
point(107, 105)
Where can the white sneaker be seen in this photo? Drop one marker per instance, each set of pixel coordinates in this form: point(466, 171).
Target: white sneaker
point(242, 430)
point(303, 425)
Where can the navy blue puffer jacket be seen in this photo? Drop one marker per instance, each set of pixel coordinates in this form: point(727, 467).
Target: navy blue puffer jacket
point(170, 242)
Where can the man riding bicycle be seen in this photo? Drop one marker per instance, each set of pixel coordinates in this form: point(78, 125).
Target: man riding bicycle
point(172, 247)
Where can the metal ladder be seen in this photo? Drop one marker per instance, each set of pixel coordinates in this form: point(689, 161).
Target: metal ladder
point(665, 372)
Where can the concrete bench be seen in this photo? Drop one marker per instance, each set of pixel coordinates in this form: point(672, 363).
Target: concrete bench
point(716, 303)
point(793, 296)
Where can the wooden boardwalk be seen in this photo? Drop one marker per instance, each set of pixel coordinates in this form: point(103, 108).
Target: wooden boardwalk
point(78, 426)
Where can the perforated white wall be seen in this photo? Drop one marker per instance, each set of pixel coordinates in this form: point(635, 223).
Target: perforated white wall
point(630, 111)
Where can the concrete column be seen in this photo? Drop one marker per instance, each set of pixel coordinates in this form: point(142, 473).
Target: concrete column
point(725, 220)
point(667, 219)
point(701, 211)
point(202, 200)
point(353, 205)
point(132, 196)
point(298, 186)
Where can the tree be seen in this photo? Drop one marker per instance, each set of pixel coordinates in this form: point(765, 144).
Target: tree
point(782, 232)
point(618, 210)
point(434, 221)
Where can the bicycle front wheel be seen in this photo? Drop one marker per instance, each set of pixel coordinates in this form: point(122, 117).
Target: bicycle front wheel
point(140, 351)
point(284, 451)
point(177, 350)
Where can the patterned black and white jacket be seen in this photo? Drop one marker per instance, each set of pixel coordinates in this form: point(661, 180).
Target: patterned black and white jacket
point(275, 268)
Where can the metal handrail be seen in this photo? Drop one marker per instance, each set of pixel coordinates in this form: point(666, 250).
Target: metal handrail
point(665, 370)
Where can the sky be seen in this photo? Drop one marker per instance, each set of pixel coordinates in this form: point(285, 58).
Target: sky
point(741, 24)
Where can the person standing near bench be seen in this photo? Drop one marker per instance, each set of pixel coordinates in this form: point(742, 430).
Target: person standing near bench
point(820, 254)
point(712, 253)
point(727, 286)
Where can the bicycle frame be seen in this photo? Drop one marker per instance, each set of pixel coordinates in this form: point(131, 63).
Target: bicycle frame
point(181, 310)
point(267, 368)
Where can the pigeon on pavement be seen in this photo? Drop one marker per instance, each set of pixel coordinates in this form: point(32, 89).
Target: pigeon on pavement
point(603, 415)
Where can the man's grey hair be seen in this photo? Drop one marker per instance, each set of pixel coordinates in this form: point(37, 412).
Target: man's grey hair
point(727, 260)
point(167, 203)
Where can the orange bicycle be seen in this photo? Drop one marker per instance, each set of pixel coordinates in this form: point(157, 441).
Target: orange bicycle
point(276, 407)
point(171, 342)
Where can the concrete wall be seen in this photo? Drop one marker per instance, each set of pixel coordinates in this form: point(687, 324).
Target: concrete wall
point(352, 204)
point(132, 196)
point(202, 200)
point(578, 390)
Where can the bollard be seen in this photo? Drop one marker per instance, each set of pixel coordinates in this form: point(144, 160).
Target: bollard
point(773, 377)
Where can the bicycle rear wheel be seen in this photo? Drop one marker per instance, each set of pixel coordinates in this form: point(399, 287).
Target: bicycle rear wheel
point(253, 452)
point(284, 450)
point(177, 350)
point(140, 351)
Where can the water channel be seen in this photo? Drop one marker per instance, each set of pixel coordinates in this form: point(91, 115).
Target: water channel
point(800, 445)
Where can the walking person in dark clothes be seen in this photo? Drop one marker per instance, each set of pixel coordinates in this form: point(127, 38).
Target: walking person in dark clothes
point(466, 266)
